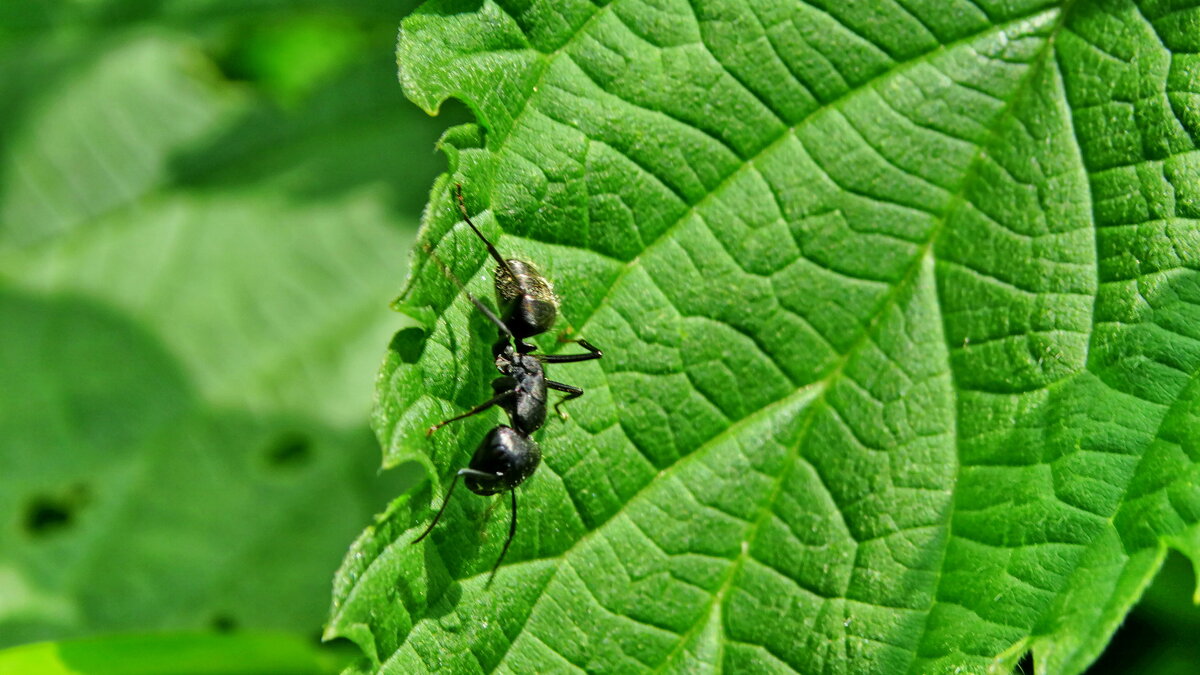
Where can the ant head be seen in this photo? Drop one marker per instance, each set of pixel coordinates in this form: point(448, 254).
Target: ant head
point(527, 302)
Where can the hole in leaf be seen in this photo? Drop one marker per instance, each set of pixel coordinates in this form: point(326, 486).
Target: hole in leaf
point(290, 451)
point(45, 515)
point(50, 513)
point(223, 623)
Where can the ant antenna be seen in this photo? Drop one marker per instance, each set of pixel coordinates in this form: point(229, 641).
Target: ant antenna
point(462, 206)
point(474, 300)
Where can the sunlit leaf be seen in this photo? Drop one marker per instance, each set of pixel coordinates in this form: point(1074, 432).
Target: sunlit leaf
point(901, 315)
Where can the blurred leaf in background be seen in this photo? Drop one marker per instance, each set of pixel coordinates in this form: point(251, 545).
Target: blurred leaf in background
point(204, 211)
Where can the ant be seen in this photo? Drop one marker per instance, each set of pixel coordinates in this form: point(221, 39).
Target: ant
point(508, 456)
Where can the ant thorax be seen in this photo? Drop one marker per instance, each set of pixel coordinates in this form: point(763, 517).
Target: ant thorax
point(523, 375)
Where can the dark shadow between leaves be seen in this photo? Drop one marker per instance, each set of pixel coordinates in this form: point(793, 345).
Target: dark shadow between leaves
point(1025, 665)
point(1158, 636)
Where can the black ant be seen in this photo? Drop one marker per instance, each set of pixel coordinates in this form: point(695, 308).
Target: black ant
point(507, 456)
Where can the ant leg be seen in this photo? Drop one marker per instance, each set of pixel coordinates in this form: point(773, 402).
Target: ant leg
point(445, 502)
point(588, 346)
point(453, 484)
point(571, 392)
point(512, 532)
point(593, 353)
point(473, 411)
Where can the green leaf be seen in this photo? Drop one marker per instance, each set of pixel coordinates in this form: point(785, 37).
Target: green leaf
point(193, 302)
point(901, 319)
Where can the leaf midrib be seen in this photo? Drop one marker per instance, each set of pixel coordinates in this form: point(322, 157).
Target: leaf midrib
point(971, 174)
point(957, 198)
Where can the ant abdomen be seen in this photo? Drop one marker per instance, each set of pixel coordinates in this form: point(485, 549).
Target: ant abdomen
point(527, 302)
point(503, 461)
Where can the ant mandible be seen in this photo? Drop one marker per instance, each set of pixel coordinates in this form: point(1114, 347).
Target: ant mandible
point(508, 456)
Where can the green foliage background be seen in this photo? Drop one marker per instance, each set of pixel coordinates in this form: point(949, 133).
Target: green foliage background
point(205, 209)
